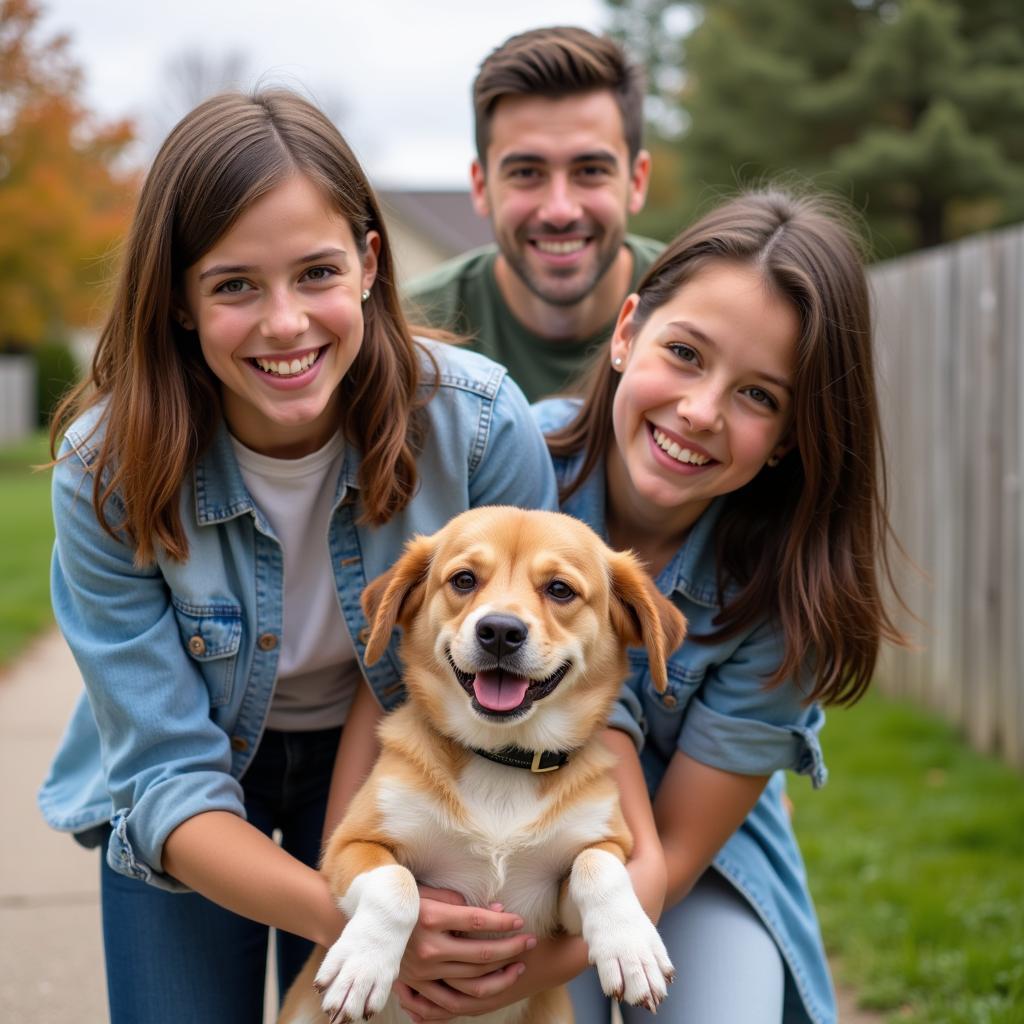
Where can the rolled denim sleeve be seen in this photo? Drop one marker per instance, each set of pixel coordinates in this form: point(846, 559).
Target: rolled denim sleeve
point(515, 468)
point(735, 723)
point(163, 758)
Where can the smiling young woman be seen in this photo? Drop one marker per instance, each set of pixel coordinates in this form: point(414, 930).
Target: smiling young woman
point(729, 434)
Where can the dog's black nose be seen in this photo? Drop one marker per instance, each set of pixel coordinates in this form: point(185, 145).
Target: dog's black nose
point(501, 634)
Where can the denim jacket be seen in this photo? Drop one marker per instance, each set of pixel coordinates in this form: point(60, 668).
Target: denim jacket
point(717, 710)
point(179, 658)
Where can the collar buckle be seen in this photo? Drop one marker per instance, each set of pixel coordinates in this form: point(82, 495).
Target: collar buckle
point(536, 763)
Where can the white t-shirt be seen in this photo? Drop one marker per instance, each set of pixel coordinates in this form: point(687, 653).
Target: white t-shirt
point(317, 671)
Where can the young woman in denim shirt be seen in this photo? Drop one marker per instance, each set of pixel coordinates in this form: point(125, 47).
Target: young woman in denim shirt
point(729, 435)
point(258, 437)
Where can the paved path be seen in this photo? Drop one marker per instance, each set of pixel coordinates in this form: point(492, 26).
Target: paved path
point(51, 958)
point(52, 964)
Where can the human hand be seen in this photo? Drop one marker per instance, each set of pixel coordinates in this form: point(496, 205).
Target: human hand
point(445, 944)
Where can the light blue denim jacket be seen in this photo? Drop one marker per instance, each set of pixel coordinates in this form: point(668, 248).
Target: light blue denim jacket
point(717, 710)
point(179, 659)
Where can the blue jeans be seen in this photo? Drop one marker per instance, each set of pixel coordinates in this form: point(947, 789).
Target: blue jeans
point(174, 957)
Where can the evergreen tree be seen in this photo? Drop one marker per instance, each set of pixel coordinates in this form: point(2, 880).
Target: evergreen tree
point(909, 107)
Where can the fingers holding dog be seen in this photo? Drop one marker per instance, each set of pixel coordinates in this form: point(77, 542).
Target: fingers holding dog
point(443, 1000)
point(433, 951)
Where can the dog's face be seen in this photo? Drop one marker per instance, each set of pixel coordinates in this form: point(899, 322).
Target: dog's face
point(516, 624)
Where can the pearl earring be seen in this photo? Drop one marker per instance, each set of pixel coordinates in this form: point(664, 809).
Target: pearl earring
point(617, 362)
point(366, 294)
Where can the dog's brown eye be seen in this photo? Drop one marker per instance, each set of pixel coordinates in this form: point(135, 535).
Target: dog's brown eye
point(560, 590)
point(463, 581)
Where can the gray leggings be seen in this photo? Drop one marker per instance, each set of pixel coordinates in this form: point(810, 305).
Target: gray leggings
point(728, 968)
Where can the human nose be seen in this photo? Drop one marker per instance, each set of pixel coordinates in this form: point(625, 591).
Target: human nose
point(560, 206)
point(283, 316)
point(701, 407)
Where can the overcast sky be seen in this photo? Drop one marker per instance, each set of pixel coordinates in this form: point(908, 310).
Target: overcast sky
point(395, 74)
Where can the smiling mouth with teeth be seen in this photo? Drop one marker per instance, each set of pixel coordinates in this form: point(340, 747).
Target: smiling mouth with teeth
point(560, 248)
point(287, 367)
point(676, 451)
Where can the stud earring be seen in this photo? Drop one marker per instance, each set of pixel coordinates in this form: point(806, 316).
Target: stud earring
point(617, 362)
point(773, 460)
point(366, 294)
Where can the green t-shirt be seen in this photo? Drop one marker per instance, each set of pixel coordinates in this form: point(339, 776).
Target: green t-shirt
point(462, 296)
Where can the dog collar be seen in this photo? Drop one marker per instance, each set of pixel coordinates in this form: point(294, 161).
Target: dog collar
point(536, 761)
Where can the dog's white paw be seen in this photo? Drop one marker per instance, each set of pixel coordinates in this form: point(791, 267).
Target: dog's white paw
point(631, 960)
point(358, 971)
point(356, 976)
point(623, 944)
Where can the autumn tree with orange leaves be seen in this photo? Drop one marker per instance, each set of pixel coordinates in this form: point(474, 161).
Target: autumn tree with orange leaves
point(65, 200)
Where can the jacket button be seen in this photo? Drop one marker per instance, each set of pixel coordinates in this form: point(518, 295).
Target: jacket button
point(239, 743)
point(363, 635)
point(197, 645)
point(669, 701)
point(267, 642)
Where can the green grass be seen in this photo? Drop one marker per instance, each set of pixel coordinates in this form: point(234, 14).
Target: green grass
point(915, 853)
point(27, 531)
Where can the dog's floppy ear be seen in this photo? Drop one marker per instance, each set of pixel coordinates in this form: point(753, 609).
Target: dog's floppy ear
point(642, 616)
point(396, 594)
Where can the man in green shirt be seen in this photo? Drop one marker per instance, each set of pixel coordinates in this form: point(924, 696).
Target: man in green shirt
point(559, 169)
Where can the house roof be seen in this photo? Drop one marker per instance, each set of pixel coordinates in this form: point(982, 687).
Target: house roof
point(445, 216)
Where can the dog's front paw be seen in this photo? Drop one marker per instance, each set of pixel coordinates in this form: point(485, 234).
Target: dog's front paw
point(624, 945)
point(631, 961)
point(356, 976)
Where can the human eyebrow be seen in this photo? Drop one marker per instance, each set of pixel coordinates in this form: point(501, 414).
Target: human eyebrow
point(694, 331)
point(511, 159)
point(323, 254)
point(597, 156)
point(777, 381)
point(223, 268)
point(247, 268)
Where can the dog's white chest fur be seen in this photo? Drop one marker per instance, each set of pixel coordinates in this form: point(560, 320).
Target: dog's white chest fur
point(503, 851)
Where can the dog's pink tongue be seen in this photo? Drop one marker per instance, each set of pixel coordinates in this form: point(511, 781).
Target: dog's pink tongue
point(498, 691)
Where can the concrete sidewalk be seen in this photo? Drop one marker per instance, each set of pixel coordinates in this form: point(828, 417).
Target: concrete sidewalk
point(51, 956)
point(51, 967)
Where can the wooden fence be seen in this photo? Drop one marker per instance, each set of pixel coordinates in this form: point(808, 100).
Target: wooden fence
point(950, 342)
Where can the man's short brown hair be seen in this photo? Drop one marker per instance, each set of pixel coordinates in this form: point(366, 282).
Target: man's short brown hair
point(557, 62)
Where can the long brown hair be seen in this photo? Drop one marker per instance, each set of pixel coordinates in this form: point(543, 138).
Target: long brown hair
point(808, 540)
point(161, 403)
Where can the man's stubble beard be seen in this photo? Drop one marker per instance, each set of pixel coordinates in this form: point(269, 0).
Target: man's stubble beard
point(520, 267)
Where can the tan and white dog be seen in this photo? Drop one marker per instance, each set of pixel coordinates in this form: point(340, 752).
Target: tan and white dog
point(515, 626)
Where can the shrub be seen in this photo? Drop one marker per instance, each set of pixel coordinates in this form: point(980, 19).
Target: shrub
point(56, 372)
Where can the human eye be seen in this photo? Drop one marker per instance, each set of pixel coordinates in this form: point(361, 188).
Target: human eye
point(593, 172)
point(762, 397)
point(523, 174)
point(685, 353)
point(319, 274)
point(234, 286)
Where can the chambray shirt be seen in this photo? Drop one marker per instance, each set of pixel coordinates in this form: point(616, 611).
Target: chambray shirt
point(179, 659)
point(717, 710)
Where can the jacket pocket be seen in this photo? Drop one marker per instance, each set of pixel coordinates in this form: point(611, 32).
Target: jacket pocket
point(212, 635)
